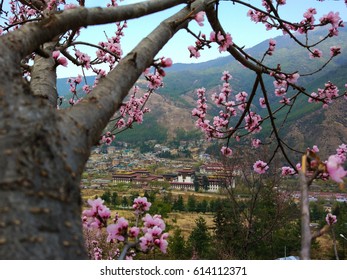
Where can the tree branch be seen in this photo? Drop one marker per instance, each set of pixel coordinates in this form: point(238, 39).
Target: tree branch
point(306, 237)
point(217, 27)
point(273, 124)
point(44, 77)
point(58, 23)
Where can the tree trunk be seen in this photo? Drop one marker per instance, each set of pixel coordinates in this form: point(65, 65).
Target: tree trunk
point(44, 150)
point(40, 202)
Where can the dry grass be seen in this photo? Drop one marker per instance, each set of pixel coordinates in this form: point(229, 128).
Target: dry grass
point(183, 220)
point(186, 221)
point(325, 251)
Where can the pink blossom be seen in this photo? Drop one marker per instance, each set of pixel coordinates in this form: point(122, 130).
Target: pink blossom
point(226, 43)
point(325, 95)
point(97, 215)
point(134, 232)
point(256, 143)
point(253, 122)
point(199, 18)
point(287, 171)
point(285, 101)
point(257, 16)
point(310, 12)
point(272, 45)
point(95, 204)
point(226, 151)
point(70, 6)
point(262, 102)
point(166, 62)
point(86, 89)
point(298, 166)
point(316, 53)
point(163, 242)
point(330, 219)
point(141, 205)
point(55, 54)
point(334, 50)
point(62, 61)
point(335, 170)
point(241, 96)
point(226, 76)
point(224, 40)
point(220, 123)
point(194, 52)
point(83, 58)
point(332, 18)
point(219, 98)
point(315, 149)
point(341, 152)
point(293, 78)
point(113, 3)
point(308, 21)
point(280, 81)
point(117, 231)
point(146, 242)
point(107, 138)
point(154, 237)
point(260, 167)
point(280, 91)
point(216, 37)
point(152, 221)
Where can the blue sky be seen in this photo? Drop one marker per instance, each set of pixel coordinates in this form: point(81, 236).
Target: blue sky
point(233, 17)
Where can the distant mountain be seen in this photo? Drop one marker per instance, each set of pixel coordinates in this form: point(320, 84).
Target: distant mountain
point(171, 106)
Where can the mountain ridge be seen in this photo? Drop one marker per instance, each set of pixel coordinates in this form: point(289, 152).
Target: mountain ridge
point(171, 105)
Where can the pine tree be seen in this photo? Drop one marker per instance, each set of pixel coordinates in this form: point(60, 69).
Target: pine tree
point(179, 204)
point(177, 245)
point(200, 239)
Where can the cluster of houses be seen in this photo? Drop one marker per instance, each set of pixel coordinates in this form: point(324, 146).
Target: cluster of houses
point(212, 177)
point(326, 196)
point(128, 165)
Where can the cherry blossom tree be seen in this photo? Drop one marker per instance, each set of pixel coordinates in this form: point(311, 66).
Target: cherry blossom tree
point(45, 147)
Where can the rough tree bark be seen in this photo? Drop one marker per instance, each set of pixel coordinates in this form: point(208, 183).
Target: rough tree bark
point(43, 150)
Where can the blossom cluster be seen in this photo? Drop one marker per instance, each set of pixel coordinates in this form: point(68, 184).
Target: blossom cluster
point(141, 205)
point(97, 215)
point(132, 111)
point(107, 138)
point(268, 18)
point(334, 164)
point(224, 40)
point(326, 95)
point(220, 125)
point(260, 167)
point(147, 234)
point(154, 235)
point(111, 51)
point(330, 219)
